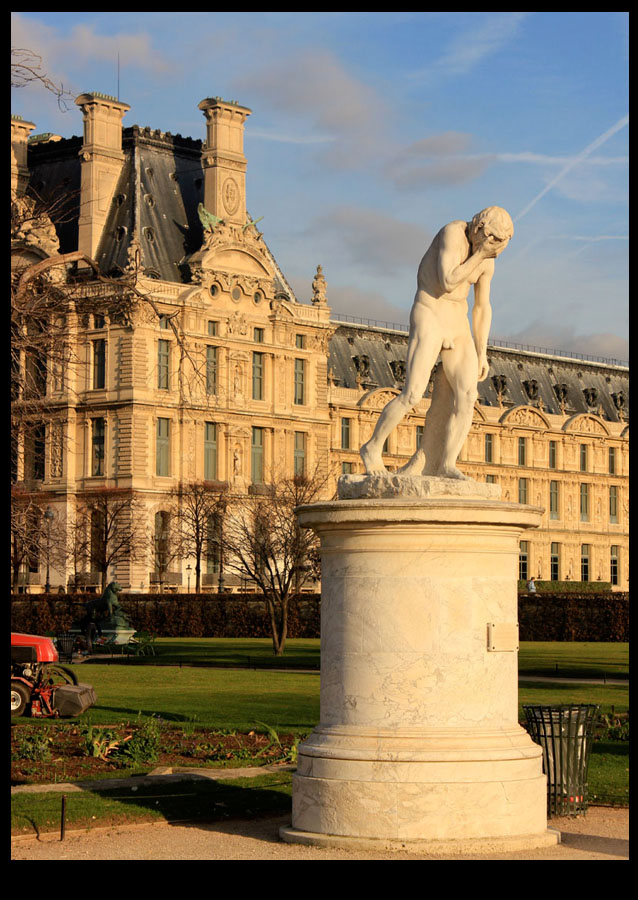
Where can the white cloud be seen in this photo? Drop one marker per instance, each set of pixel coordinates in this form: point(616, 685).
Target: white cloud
point(375, 242)
point(315, 89)
point(482, 38)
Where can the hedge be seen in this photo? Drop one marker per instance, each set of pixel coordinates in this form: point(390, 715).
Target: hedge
point(170, 615)
point(573, 616)
point(569, 616)
point(567, 587)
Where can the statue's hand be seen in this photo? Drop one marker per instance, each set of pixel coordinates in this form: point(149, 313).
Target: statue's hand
point(483, 367)
point(491, 246)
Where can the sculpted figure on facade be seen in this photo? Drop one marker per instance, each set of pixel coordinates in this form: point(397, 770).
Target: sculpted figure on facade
point(319, 288)
point(461, 256)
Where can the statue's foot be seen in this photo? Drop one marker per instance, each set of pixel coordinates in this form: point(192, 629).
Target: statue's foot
point(415, 465)
point(453, 472)
point(372, 461)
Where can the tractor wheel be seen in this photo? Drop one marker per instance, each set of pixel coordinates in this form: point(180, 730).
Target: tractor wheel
point(20, 697)
point(56, 674)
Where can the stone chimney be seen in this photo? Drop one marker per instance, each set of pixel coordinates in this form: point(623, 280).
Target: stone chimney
point(102, 161)
point(224, 160)
point(20, 131)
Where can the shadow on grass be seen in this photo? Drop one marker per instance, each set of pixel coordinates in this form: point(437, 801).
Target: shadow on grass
point(197, 801)
point(136, 711)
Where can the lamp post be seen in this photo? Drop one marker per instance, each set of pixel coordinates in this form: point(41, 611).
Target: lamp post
point(48, 515)
point(188, 575)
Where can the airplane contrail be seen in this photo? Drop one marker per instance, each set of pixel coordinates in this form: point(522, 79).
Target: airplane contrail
point(574, 162)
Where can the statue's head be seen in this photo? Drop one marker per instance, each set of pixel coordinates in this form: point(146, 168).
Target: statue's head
point(113, 586)
point(494, 221)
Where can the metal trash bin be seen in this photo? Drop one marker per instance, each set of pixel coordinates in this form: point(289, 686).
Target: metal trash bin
point(65, 643)
point(565, 734)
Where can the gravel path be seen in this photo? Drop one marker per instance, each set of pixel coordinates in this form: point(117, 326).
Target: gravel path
point(602, 833)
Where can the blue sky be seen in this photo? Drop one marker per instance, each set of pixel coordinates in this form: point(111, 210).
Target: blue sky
point(370, 131)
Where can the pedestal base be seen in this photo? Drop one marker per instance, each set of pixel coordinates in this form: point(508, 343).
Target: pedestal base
point(465, 847)
point(419, 742)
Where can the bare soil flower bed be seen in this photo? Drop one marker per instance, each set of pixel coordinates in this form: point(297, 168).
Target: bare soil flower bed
point(51, 752)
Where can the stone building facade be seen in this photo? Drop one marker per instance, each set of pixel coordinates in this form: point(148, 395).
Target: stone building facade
point(209, 368)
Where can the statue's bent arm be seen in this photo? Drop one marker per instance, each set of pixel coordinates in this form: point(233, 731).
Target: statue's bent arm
point(453, 247)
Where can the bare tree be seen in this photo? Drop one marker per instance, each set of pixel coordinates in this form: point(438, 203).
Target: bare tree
point(264, 543)
point(201, 507)
point(117, 531)
point(26, 68)
point(167, 544)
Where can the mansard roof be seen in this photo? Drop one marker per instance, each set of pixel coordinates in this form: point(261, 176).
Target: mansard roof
point(375, 358)
point(158, 191)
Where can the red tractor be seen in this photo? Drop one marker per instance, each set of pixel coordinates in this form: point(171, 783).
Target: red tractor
point(38, 681)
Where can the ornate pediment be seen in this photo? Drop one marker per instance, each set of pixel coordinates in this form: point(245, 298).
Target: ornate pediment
point(377, 398)
point(586, 423)
point(232, 248)
point(525, 415)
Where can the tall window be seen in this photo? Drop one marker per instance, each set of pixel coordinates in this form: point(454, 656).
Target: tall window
point(213, 544)
point(34, 450)
point(258, 335)
point(258, 376)
point(162, 525)
point(345, 434)
point(522, 451)
point(612, 460)
point(257, 456)
point(163, 350)
point(99, 364)
point(97, 447)
point(554, 562)
point(584, 562)
point(419, 435)
point(523, 560)
point(613, 504)
point(210, 451)
point(162, 448)
point(553, 500)
point(614, 564)
point(584, 503)
point(583, 457)
point(211, 370)
point(300, 453)
point(552, 455)
point(300, 379)
point(300, 341)
point(489, 447)
point(522, 490)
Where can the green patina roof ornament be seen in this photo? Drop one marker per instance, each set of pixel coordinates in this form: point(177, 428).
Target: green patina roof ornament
point(250, 221)
point(208, 220)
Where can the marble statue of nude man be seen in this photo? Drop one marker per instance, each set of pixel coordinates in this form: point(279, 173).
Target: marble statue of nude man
point(461, 255)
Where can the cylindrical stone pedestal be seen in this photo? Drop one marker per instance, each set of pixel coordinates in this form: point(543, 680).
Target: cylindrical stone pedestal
point(419, 743)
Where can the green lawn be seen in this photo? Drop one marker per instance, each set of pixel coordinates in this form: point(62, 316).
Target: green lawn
point(582, 660)
point(234, 699)
point(176, 801)
point(574, 660)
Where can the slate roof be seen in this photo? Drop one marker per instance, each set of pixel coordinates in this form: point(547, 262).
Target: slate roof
point(375, 356)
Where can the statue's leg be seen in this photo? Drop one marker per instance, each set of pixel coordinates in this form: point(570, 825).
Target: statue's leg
point(437, 423)
point(423, 350)
point(460, 365)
